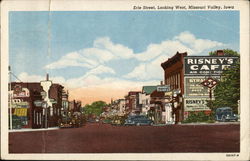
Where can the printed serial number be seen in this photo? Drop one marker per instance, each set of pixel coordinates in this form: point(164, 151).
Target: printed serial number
point(232, 155)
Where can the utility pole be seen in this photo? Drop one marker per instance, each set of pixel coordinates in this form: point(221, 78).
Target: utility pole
point(10, 99)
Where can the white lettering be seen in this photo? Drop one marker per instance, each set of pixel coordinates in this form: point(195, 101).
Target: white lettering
point(214, 61)
point(213, 67)
point(221, 61)
point(230, 61)
point(207, 61)
point(200, 61)
point(190, 61)
point(204, 67)
point(223, 67)
point(194, 67)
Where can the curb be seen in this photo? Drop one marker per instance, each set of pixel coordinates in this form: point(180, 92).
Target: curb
point(29, 130)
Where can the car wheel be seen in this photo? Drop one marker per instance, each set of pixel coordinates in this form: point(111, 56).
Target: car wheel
point(223, 119)
point(217, 119)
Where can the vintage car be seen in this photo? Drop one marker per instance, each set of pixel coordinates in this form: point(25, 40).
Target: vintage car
point(73, 121)
point(138, 120)
point(65, 122)
point(118, 120)
point(225, 114)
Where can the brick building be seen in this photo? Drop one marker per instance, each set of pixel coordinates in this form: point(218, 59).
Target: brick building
point(174, 76)
point(28, 105)
point(132, 102)
point(157, 100)
point(186, 73)
point(75, 106)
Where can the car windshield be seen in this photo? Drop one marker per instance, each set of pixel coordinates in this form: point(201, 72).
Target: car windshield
point(227, 112)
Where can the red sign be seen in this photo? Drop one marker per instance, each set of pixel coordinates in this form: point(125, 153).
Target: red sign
point(210, 82)
point(20, 92)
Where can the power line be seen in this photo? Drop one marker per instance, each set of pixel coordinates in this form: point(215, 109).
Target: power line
point(15, 76)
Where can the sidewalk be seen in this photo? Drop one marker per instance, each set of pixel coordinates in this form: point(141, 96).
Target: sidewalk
point(29, 129)
point(215, 123)
point(199, 123)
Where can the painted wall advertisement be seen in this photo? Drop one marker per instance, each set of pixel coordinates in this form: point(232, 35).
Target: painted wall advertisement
point(195, 104)
point(207, 65)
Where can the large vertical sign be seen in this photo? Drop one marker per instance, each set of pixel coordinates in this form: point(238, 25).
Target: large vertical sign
point(197, 70)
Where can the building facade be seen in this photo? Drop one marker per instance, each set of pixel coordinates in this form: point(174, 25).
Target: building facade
point(187, 74)
point(174, 77)
point(27, 103)
point(201, 74)
point(144, 98)
point(132, 102)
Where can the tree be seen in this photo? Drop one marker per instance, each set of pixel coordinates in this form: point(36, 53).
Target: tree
point(227, 52)
point(96, 108)
point(227, 92)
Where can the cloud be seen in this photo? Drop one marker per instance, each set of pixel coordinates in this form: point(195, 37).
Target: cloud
point(104, 50)
point(151, 59)
point(108, 82)
point(168, 48)
point(89, 81)
point(25, 77)
point(100, 70)
point(118, 50)
point(198, 45)
point(90, 78)
point(73, 59)
point(148, 71)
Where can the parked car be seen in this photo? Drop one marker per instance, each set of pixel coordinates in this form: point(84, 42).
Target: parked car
point(65, 122)
point(138, 120)
point(106, 121)
point(68, 122)
point(225, 114)
point(118, 120)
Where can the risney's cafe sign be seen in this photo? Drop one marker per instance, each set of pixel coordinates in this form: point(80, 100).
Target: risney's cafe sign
point(207, 65)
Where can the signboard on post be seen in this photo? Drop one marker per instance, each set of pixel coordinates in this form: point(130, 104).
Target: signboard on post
point(207, 65)
point(163, 88)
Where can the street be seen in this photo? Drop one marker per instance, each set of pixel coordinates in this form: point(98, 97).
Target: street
point(105, 138)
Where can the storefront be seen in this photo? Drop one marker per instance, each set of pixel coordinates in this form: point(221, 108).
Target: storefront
point(20, 107)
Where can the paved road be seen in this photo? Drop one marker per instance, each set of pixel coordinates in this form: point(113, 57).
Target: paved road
point(104, 138)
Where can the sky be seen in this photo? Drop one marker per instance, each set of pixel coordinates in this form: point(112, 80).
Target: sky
point(99, 55)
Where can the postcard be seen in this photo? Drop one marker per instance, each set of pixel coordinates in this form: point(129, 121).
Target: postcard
point(116, 80)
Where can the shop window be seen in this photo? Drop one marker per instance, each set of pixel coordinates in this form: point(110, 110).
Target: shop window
point(179, 81)
point(34, 117)
point(37, 118)
point(51, 111)
point(40, 118)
